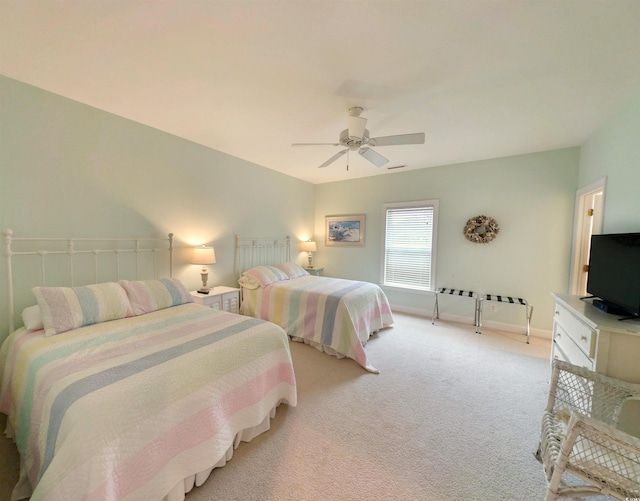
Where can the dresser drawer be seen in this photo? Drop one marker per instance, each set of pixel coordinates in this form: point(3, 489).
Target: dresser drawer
point(565, 348)
point(557, 353)
point(582, 334)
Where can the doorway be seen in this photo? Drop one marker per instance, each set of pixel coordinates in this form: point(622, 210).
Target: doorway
point(587, 221)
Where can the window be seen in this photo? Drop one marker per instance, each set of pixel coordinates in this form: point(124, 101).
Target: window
point(410, 244)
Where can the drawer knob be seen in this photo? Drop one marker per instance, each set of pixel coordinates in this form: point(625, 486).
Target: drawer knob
point(583, 338)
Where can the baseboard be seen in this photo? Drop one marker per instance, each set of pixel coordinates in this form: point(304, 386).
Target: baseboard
point(498, 326)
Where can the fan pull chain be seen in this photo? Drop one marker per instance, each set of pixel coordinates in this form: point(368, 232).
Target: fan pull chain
point(348, 159)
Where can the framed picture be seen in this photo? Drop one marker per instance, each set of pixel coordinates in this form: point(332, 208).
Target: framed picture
point(345, 231)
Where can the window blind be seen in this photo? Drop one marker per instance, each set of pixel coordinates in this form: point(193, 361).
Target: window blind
point(408, 247)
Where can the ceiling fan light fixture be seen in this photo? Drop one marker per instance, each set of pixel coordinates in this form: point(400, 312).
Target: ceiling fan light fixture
point(357, 126)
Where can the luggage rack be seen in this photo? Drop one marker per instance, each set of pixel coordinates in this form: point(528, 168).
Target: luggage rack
point(479, 302)
point(459, 293)
point(518, 301)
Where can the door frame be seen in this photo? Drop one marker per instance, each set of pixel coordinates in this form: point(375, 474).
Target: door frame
point(579, 232)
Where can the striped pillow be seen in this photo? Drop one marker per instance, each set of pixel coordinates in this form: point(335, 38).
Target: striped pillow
point(293, 270)
point(67, 308)
point(151, 295)
point(265, 275)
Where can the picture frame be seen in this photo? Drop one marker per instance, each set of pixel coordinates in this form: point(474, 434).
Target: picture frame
point(345, 231)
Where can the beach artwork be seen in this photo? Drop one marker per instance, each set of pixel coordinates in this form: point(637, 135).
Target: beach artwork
point(345, 230)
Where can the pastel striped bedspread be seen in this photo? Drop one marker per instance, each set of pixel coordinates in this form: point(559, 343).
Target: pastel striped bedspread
point(127, 409)
point(331, 312)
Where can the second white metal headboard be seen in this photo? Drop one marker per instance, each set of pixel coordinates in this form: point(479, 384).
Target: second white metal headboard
point(51, 246)
point(256, 251)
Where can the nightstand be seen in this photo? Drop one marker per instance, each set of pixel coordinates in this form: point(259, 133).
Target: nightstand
point(315, 271)
point(220, 298)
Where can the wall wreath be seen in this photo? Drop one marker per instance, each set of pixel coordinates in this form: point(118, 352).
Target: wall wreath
point(481, 229)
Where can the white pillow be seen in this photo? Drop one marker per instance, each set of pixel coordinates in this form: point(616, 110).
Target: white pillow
point(32, 318)
point(248, 283)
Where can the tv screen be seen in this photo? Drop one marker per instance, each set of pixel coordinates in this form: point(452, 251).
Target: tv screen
point(614, 271)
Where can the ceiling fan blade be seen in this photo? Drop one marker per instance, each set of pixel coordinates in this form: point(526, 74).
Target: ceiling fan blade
point(373, 156)
point(333, 158)
point(417, 138)
point(315, 144)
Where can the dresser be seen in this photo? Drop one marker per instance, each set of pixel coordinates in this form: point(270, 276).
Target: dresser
point(220, 298)
point(315, 271)
point(586, 336)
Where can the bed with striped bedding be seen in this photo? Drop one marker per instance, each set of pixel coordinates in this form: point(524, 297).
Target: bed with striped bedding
point(139, 408)
point(334, 315)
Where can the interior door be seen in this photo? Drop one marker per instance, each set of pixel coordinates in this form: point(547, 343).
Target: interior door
point(589, 212)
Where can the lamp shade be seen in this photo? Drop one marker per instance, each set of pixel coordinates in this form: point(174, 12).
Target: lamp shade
point(203, 255)
point(308, 246)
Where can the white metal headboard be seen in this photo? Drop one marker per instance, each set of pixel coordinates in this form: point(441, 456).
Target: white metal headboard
point(256, 251)
point(74, 248)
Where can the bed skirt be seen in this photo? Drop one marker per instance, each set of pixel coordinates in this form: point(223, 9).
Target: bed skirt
point(330, 351)
point(197, 479)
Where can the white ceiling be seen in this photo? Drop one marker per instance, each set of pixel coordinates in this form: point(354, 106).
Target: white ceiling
point(482, 78)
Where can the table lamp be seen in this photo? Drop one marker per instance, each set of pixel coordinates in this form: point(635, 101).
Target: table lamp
point(309, 247)
point(204, 255)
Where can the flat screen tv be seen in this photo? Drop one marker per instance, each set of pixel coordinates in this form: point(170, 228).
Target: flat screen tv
point(614, 273)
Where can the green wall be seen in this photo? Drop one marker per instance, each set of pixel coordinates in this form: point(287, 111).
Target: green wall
point(530, 196)
point(614, 152)
point(67, 169)
point(70, 169)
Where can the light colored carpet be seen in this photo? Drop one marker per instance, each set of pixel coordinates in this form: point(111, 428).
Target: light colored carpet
point(452, 416)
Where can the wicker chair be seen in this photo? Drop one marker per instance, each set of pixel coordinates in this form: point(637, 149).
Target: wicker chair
point(589, 446)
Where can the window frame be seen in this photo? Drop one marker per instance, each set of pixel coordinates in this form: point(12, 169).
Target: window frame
point(434, 204)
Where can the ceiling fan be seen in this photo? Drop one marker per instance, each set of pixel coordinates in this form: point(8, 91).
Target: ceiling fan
point(356, 138)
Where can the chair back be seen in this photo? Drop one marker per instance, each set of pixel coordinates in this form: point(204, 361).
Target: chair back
point(591, 394)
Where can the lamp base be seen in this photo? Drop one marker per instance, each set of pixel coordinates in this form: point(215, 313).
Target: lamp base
point(204, 275)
